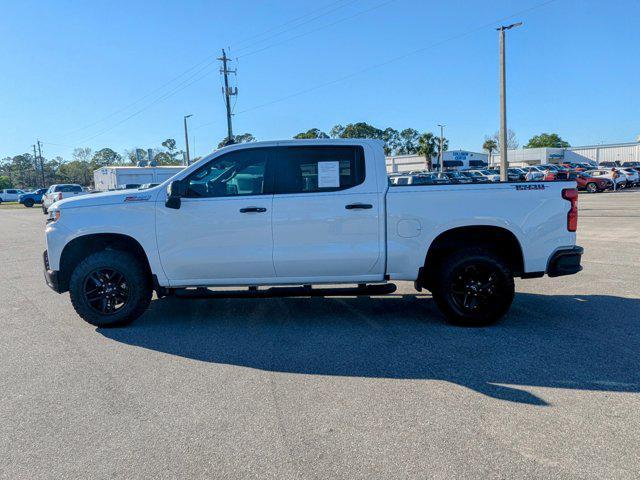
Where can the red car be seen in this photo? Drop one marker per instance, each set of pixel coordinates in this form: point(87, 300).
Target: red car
point(589, 183)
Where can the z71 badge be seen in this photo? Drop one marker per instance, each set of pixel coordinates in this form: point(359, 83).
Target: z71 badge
point(535, 186)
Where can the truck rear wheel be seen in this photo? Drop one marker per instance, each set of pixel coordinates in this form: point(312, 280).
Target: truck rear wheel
point(29, 203)
point(110, 289)
point(474, 288)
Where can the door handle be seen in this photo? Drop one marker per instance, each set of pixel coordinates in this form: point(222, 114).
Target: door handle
point(363, 206)
point(253, 210)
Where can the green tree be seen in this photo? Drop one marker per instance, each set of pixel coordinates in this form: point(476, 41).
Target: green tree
point(429, 146)
point(104, 158)
point(5, 182)
point(360, 130)
point(242, 138)
point(392, 141)
point(311, 133)
point(336, 131)
point(490, 145)
point(550, 140)
point(409, 138)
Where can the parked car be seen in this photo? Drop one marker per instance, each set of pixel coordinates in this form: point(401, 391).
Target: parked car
point(10, 195)
point(57, 192)
point(457, 177)
point(476, 177)
point(633, 177)
point(515, 174)
point(620, 181)
point(31, 198)
point(490, 175)
point(240, 216)
point(533, 174)
point(589, 183)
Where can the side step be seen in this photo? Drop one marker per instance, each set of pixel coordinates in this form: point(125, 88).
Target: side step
point(304, 291)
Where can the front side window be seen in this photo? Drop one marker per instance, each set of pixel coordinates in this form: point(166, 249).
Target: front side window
point(319, 169)
point(241, 172)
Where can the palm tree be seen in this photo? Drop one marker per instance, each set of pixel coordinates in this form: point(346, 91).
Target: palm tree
point(427, 146)
point(490, 145)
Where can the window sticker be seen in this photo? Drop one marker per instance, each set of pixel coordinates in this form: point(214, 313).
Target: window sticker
point(328, 174)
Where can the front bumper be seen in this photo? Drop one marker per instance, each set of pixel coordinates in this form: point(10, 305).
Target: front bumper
point(565, 262)
point(50, 276)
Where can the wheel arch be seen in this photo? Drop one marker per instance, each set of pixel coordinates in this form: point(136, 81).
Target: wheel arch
point(498, 240)
point(81, 247)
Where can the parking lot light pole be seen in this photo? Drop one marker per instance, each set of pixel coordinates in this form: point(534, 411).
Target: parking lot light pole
point(441, 145)
point(503, 104)
point(186, 138)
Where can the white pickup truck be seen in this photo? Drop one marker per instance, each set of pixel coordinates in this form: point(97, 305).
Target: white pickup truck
point(61, 191)
point(308, 212)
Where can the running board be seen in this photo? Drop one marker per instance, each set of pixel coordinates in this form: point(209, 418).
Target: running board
point(304, 291)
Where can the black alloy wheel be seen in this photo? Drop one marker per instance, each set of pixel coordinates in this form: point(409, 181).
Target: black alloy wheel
point(475, 289)
point(106, 290)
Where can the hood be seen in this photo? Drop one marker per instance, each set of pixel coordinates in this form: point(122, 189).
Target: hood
point(110, 198)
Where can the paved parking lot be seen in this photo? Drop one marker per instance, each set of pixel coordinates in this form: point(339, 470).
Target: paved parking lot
point(328, 388)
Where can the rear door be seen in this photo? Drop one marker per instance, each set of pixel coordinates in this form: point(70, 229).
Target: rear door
point(221, 234)
point(327, 214)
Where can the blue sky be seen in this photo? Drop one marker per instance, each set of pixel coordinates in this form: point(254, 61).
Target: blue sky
point(72, 69)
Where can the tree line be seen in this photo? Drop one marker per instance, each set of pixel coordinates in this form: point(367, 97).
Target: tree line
point(25, 170)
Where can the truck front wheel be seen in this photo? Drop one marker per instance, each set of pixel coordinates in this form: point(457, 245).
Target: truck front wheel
point(110, 288)
point(474, 288)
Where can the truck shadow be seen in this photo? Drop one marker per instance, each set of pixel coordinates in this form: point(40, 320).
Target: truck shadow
point(587, 342)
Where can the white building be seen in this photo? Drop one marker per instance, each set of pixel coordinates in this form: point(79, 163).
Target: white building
point(450, 159)
point(620, 152)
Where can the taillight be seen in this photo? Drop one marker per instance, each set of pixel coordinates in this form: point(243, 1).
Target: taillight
point(59, 196)
point(571, 194)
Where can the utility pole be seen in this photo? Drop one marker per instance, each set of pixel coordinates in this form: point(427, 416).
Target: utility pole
point(503, 104)
point(228, 93)
point(441, 145)
point(35, 163)
point(186, 139)
point(41, 163)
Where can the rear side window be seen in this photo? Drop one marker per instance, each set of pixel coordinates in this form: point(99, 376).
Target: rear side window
point(319, 169)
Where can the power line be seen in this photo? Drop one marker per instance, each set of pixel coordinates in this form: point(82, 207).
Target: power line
point(395, 59)
point(312, 19)
point(262, 49)
point(136, 102)
point(181, 86)
point(206, 60)
point(289, 22)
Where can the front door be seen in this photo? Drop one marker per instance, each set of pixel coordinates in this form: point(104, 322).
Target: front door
point(326, 216)
point(221, 234)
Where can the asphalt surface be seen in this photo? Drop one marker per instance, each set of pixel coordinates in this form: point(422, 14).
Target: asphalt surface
point(341, 387)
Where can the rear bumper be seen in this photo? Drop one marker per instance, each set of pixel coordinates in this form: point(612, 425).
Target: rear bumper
point(50, 276)
point(565, 262)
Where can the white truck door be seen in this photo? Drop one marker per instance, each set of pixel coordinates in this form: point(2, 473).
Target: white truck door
point(221, 234)
point(326, 215)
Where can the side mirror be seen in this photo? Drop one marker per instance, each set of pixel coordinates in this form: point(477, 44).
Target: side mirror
point(175, 191)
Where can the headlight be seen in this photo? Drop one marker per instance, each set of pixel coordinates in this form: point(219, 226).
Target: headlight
point(54, 216)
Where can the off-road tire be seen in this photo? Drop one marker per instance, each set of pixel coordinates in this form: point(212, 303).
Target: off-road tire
point(448, 281)
point(29, 203)
point(138, 283)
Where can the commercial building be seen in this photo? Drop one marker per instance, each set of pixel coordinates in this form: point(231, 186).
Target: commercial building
point(596, 154)
point(451, 159)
